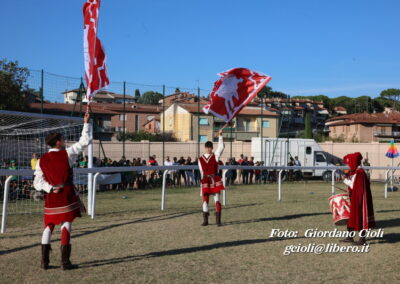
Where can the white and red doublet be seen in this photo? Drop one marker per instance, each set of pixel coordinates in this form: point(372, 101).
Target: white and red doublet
point(211, 182)
point(54, 169)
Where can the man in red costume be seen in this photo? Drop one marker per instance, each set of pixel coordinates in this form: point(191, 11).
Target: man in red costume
point(211, 183)
point(54, 175)
point(361, 207)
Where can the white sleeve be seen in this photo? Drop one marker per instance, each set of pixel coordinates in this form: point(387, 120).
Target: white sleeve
point(77, 148)
point(201, 170)
point(39, 182)
point(350, 182)
point(220, 148)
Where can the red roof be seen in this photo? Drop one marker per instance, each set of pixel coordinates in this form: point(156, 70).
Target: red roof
point(245, 110)
point(340, 108)
point(61, 107)
point(100, 108)
point(366, 118)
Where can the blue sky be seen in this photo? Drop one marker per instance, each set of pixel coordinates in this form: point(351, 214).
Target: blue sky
point(308, 47)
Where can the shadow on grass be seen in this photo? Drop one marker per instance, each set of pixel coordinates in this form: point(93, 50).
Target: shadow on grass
point(163, 217)
point(286, 217)
point(178, 251)
point(388, 223)
point(388, 238)
point(84, 233)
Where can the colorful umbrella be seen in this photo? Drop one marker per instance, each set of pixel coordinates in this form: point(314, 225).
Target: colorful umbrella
point(392, 151)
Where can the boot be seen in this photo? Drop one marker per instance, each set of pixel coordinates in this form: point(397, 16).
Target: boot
point(360, 242)
point(205, 218)
point(218, 219)
point(65, 255)
point(348, 239)
point(45, 257)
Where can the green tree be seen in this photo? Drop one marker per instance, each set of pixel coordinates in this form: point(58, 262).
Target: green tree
point(268, 92)
point(307, 126)
point(177, 90)
point(137, 94)
point(150, 97)
point(392, 95)
point(13, 85)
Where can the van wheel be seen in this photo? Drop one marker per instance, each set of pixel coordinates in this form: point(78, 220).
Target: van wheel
point(327, 176)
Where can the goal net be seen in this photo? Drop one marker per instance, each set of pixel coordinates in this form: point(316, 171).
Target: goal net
point(22, 142)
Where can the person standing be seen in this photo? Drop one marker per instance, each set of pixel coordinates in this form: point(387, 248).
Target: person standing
point(211, 183)
point(54, 175)
point(361, 205)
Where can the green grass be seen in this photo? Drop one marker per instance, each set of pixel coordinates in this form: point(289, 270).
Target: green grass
point(131, 240)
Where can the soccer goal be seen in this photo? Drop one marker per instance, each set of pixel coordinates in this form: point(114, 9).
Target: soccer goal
point(22, 142)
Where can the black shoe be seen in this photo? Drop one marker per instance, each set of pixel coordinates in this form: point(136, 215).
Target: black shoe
point(347, 240)
point(218, 219)
point(205, 218)
point(45, 257)
point(360, 242)
point(65, 258)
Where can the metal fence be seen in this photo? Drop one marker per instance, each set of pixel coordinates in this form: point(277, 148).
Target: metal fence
point(92, 187)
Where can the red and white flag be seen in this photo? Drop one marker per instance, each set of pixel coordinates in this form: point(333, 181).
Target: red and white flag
point(95, 57)
point(236, 88)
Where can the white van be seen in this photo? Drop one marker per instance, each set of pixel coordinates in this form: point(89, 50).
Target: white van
point(276, 152)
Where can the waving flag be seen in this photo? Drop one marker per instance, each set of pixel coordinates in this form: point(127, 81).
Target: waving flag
point(236, 88)
point(95, 58)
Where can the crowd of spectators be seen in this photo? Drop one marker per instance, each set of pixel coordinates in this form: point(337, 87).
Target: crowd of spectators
point(23, 186)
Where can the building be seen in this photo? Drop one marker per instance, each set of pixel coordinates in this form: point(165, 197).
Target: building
point(365, 127)
point(293, 113)
point(182, 98)
point(70, 97)
point(187, 122)
point(152, 126)
point(340, 110)
point(108, 118)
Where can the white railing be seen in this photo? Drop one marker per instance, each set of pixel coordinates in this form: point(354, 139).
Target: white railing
point(97, 171)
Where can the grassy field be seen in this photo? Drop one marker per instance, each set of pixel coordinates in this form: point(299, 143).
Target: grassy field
point(131, 240)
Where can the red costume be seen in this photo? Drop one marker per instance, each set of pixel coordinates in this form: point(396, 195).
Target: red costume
point(361, 206)
point(211, 181)
point(65, 205)
point(54, 175)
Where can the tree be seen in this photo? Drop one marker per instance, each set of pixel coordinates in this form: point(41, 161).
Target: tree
point(268, 92)
point(307, 127)
point(137, 94)
point(13, 85)
point(151, 98)
point(177, 90)
point(391, 94)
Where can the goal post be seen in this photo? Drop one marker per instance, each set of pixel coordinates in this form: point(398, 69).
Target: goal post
point(22, 142)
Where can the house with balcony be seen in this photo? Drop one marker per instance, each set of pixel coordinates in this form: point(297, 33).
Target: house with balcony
point(365, 127)
point(72, 97)
point(293, 113)
point(187, 122)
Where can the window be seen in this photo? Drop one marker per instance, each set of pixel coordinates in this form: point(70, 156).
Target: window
point(308, 150)
point(203, 121)
point(136, 122)
point(265, 124)
point(203, 138)
point(122, 117)
point(247, 125)
point(320, 158)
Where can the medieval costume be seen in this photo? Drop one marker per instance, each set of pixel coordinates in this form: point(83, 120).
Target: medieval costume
point(54, 171)
point(361, 206)
point(211, 183)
